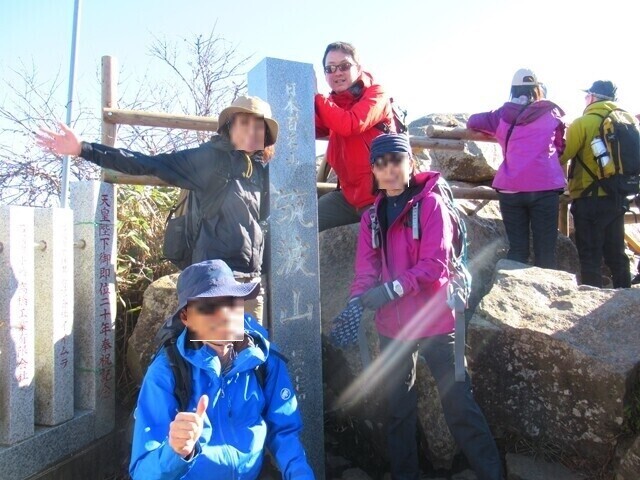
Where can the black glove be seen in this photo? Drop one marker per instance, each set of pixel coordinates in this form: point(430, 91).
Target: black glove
point(344, 331)
point(378, 296)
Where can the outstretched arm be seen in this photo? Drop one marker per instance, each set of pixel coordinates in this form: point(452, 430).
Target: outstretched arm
point(176, 168)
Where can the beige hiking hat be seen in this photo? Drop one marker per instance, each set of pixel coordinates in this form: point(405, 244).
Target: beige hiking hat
point(524, 76)
point(255, 106)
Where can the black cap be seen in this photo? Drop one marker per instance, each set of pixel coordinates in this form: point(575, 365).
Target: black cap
point(603, 89)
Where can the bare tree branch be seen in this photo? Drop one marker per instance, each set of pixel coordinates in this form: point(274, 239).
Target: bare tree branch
point(205, 73)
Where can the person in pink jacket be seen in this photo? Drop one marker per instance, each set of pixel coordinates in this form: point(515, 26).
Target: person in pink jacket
point(402, 272)
point(530, 179)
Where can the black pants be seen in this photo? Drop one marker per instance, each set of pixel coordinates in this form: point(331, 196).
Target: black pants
point(461, 412)
point(531, 212)
point(599, 229)
point(335, 211)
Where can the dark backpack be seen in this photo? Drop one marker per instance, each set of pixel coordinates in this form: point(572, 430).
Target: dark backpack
point(182, 228)
point(399, 119)
point(185, 218)
point(620, 178)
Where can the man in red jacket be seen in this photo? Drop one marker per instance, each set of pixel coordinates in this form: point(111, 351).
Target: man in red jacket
point(356, 111)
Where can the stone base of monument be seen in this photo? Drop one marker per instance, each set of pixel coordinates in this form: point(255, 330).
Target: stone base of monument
point(57, 311)
point(47, 446)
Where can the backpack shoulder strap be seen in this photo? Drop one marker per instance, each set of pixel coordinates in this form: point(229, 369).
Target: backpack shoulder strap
point(375, 227)
point(513, 125)
point(593, 188)
point(181, 374)
point(415, 220)
point(262, 369)
point(261, 375)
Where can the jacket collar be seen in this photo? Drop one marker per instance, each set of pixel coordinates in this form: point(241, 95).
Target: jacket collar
point(511, 111)
point(253, 353)
point(600, 106)
point(224, 145)
point(354, 92)
point(426, 180)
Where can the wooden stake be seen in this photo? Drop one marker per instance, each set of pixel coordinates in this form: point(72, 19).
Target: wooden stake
point(457, 133)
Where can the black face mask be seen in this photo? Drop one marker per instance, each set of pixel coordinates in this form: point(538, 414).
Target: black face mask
point(357, 89)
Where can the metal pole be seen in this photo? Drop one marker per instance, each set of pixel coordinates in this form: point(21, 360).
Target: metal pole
point(64, 188)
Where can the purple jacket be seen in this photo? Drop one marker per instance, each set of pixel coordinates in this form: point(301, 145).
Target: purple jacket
point(531, 162)
point(421, 266)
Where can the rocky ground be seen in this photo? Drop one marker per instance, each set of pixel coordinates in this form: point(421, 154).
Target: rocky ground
point(555, 365)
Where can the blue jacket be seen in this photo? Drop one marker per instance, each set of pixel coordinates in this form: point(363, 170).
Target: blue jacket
point(241, 419)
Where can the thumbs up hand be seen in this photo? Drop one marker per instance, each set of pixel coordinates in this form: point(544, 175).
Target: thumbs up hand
point(186, 429)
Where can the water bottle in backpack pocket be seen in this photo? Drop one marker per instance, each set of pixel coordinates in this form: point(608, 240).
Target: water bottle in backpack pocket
point(617, 153)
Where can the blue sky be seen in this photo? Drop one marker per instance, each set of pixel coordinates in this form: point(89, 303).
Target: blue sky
point(432, 56)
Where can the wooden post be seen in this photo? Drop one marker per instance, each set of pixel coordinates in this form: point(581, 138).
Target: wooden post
point(457, 133)
point(109, 100)
point(115, 116)
point(631, 217)
point(323, 170)
point(419, 143)
point(109, 97)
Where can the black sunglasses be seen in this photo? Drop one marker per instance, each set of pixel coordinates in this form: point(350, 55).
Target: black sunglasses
point(393, 158)
point(211, 305)
point(343, 67)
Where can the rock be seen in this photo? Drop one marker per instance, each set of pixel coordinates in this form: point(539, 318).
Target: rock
point(465, 475)
point(477, 163)
point(567, 255)
point(554, 362)
point(335, 464)
point(440, 445)
point(520, 467)
point(159, 302)
point(442, 119)
point(628, 464)
point(488, 243)
point(355, 474)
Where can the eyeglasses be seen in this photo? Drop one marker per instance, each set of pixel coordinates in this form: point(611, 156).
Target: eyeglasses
point(394, 159)
point(211, 305)
point(343, 67)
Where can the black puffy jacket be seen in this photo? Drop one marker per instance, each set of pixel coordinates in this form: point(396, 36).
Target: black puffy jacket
point(224, 180)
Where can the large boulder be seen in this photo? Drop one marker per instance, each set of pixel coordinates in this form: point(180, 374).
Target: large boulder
point(477, 163)
point(159, 302)
point(556, 363)
point(521, 467)
point(487, 245)
point(628, 463)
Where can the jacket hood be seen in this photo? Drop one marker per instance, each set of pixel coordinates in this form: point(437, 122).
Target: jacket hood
point(423, 183)
point(354, 92)
point(221, 143)
point(253, 352)
point(510, 111)
point(603, 106)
